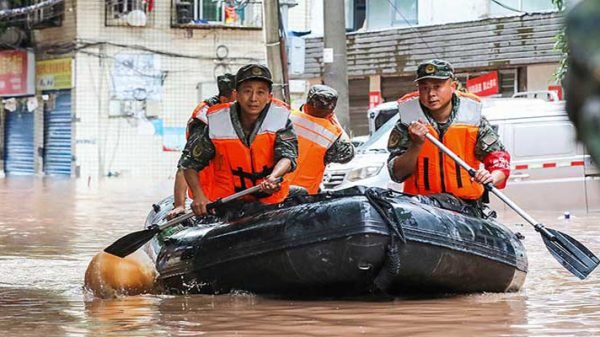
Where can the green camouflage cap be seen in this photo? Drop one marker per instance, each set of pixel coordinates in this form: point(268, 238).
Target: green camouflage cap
point(582, 80)
point(322, 97)
point(253, 72)
point(435, 69)
point(226, 84)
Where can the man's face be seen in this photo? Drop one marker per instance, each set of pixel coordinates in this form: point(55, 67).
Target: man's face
point(253, 96)
point(435, 93)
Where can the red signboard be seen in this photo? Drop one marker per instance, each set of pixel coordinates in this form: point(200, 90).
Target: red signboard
point(374, 98)
point(484, 85)
point(16, 73)
point(557, 89)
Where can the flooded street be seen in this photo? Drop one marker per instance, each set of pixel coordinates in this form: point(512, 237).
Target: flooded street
point(50, 229)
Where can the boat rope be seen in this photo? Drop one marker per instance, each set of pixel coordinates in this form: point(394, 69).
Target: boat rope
point(391, 265)
point(386, 210)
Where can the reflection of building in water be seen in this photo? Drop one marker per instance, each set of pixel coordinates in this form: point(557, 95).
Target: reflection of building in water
point(108, 83)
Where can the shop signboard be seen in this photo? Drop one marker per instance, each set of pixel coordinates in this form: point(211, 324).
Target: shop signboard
point(17, 74)
point(484, 85)
point(53, 74)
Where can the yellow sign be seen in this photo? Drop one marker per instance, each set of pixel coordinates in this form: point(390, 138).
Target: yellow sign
point(53, 74)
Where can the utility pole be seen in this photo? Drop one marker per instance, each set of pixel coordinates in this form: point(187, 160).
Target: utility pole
point(335, 69)
point(275, 44)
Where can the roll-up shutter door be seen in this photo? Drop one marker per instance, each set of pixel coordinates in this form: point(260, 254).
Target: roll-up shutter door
point(393, 88)
point(57, 136)
point(359, 105)
point(19, 142)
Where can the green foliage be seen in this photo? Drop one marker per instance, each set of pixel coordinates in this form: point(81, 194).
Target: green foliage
point(559, 4)
point(561, 45)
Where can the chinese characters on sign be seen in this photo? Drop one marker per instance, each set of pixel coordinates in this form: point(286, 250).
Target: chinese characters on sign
point(53, 74)
point(484, 85)
point(16, 73)
point(374, 99)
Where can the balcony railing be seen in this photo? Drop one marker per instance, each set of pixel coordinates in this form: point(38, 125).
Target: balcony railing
point(34, 14)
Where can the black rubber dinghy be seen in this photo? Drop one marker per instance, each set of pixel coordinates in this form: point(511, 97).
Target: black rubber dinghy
point(351, 242)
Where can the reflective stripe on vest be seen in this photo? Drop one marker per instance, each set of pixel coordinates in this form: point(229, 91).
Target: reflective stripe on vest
point(436, 172)
point(315, 137)
point(236, 166)
point(200, 112)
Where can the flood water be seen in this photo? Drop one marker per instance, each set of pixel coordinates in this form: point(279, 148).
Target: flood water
point(50, 229)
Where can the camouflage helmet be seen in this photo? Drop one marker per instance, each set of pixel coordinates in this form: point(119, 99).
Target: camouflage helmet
point(226, 84)
point(253, 72)
point(322, 97)
point(582, 81)
point(436, 68)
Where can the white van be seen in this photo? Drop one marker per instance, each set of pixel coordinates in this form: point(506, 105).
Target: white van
point(549, 169)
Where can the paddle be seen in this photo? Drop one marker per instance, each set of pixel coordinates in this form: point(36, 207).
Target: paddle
point(573, 256)
point(133, 241)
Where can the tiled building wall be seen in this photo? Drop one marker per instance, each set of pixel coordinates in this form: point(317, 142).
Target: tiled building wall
point(133, 146)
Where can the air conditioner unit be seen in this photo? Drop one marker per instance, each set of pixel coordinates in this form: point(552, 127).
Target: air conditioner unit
point(136, 18)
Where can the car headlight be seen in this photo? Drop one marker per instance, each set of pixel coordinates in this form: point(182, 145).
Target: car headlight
point(363, 172)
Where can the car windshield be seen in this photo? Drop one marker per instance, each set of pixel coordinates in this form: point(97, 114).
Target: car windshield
point(378, 141)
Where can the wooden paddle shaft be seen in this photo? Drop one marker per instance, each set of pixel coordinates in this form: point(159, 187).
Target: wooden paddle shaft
point(226, 199)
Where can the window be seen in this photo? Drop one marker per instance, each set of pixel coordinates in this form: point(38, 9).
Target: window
point(235, 13)
point(27, 14)
point(356, 11)
point(513, 7)
point(404, 12)
point(527, 139)
point(127, 12)
point(391, 13)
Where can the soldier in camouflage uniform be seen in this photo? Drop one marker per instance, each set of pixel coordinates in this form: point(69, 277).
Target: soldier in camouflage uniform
point(322, 140)
point(196, 124)
point(247, 117)
point(582, 82)
point(436, 110)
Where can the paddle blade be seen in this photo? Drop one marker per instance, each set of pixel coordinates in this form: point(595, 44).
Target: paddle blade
point(131, 242)
point(574, 256)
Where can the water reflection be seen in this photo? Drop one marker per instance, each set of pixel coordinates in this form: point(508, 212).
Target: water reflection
point(50, 229)
point(127, 316)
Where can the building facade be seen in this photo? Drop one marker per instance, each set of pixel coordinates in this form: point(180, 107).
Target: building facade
point(511, 48)
point(114, 82)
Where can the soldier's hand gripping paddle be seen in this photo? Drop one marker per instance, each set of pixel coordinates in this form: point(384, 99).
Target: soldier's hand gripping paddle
point(133, 241)
point(571, 254)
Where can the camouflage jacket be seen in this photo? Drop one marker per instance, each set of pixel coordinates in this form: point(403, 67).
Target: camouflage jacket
point(342, 151)
point(200, 150)
point(488, 140)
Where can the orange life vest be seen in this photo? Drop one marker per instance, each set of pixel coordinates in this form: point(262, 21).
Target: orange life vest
point(436, 172)
point(236, 166)
point(315, 137)
point(204, 175)
point(199, 113)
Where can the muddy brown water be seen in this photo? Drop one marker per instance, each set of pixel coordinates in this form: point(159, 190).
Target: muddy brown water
point(50, 229)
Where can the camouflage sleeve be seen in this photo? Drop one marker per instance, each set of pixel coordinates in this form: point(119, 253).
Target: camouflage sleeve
point(397, 144)
point(198, 151)
point(488, 140)
point(286, 145)
point(342, 151)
